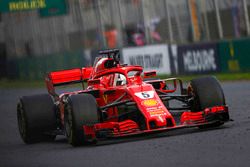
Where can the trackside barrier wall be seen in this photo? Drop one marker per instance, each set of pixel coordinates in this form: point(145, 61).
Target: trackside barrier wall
point(35, 68)
point(235, 55)
point(202, 58)
point(223, 56)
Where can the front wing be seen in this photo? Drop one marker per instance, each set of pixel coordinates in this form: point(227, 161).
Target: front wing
point(209, 116)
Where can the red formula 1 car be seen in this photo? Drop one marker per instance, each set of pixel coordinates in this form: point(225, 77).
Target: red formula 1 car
point(119, 101)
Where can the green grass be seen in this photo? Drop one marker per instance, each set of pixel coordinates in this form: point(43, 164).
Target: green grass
point(6, 83)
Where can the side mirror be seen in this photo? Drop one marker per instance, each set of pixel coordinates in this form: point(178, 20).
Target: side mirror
point(149, 74)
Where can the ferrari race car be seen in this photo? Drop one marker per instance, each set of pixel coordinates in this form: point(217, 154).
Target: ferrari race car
point(119, 100)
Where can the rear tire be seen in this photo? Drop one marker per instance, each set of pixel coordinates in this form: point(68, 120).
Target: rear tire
point(207, 92)
point(80, 110)
point(36, 118)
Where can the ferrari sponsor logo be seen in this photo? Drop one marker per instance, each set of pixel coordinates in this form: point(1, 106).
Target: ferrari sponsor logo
point(150, 102)
point(145, 95)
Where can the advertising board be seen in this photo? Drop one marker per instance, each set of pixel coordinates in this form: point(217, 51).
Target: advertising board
point(25, 5)
point(194, 59)
point(153, 57)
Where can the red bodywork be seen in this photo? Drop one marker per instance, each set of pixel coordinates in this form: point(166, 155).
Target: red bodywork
point(133, 91)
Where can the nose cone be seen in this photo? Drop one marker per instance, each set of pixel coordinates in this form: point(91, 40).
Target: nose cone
point(151, 106)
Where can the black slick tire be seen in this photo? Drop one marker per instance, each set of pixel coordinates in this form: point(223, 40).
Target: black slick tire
point(207, 92)
point(80, 110)
point(36, 118)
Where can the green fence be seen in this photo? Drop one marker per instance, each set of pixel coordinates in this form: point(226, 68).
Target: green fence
point(35, 68)
point(235, 55)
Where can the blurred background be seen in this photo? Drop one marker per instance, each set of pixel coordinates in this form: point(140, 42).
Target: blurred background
point(173, 37)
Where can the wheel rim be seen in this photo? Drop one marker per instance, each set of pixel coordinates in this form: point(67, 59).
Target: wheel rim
point(195, 105)
point(68, 123)
point(21, 120)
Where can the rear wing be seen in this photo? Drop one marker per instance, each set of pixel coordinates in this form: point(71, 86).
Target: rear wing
point(66, 77)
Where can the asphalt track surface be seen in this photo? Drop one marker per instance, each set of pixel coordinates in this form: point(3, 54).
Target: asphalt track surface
point(225, 146)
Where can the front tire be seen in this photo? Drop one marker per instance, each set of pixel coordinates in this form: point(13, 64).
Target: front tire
point(207, 92)
point(80, 110)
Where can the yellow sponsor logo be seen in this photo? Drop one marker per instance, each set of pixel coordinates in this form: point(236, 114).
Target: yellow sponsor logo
point(27, 5)
point(105, 98)
point(150, 102)
point(156, 113)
